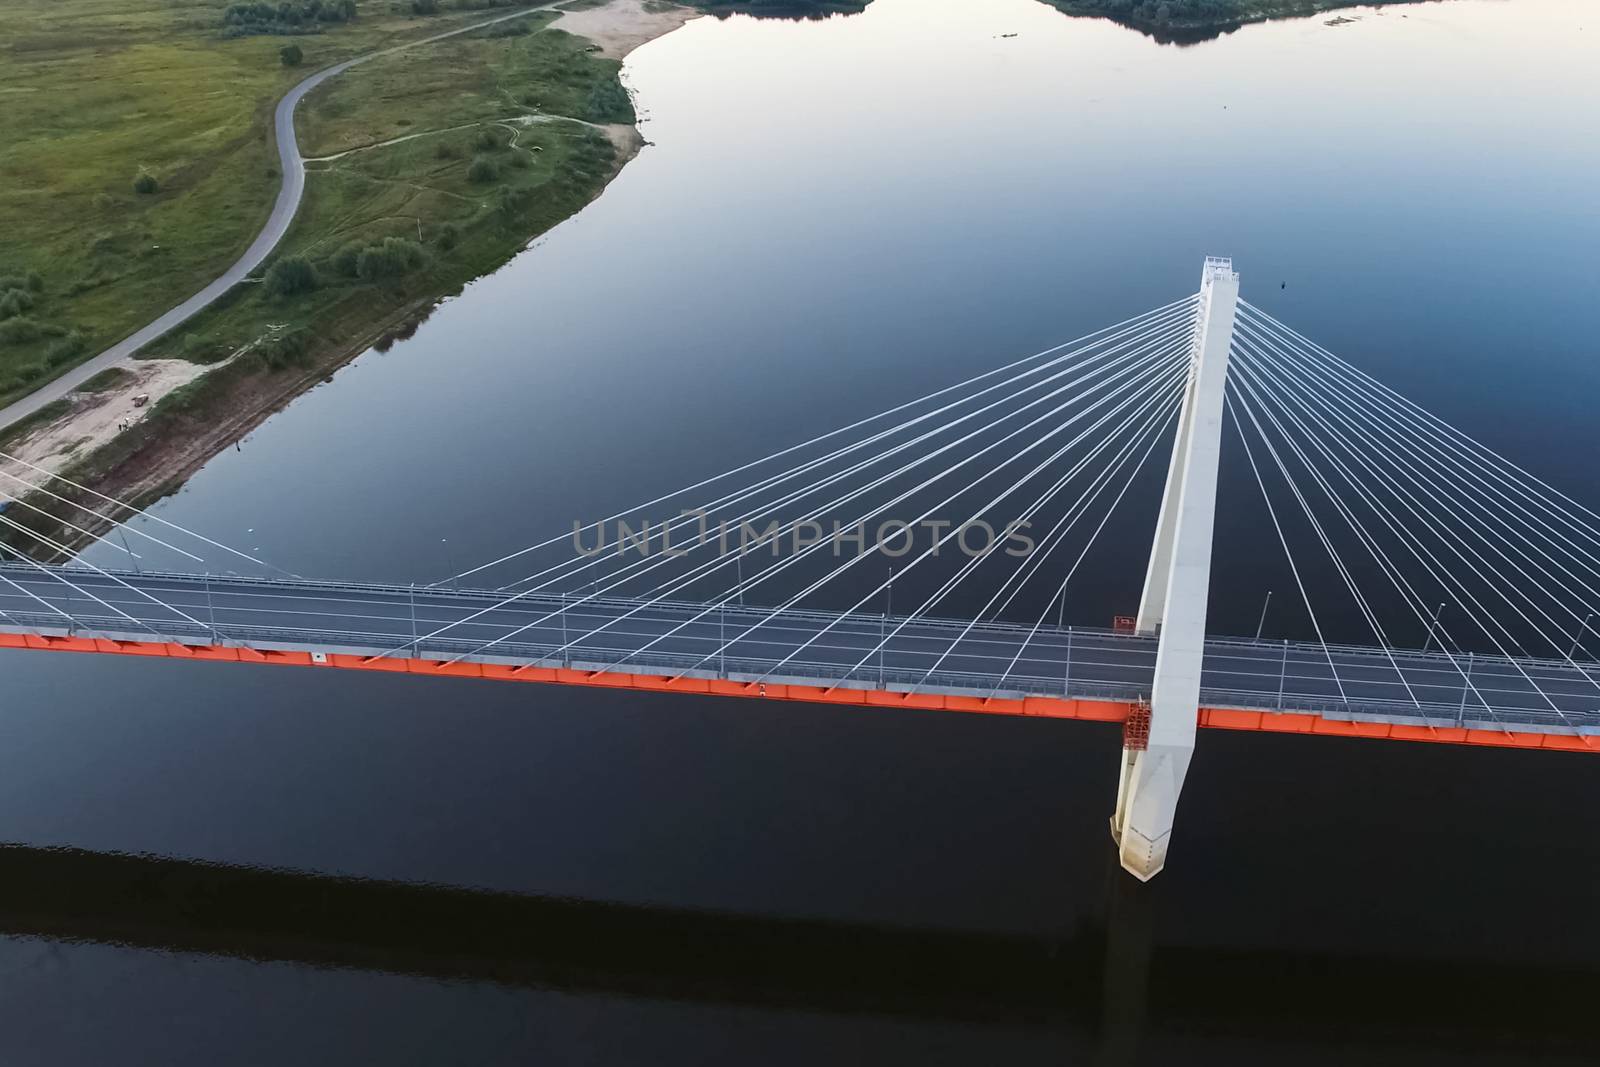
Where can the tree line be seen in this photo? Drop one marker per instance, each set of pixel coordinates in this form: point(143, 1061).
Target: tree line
point(286, 17)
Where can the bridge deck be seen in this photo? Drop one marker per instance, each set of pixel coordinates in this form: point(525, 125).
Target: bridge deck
point(985, 660)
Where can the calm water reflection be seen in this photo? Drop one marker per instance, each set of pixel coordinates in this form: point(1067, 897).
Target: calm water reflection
point(832, 217)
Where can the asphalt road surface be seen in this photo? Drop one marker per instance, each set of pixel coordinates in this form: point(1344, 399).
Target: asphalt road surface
point(751, 643)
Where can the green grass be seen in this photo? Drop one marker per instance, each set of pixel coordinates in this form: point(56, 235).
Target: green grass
point(503, 97)
point(92, 92)
point(498, 99)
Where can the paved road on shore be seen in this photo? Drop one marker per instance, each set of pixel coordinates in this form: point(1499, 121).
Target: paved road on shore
point(292, 167)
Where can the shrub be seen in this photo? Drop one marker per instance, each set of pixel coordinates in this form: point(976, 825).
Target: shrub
point(283, 349)
point(19, 330)
point(346, 260)
point(608, 102)
point(510, 202)
point(490, 139)
point(482, 171)
point(424, 7)
point(30, 281)
point(286, 17)
point(446, 150)
point(520, 160)
point(203, 350)
point(291, 55)
point(145, 183)
point(390, 258)
point(14, 302)
point(291, 275)
point(446, 236)
point(66, 350)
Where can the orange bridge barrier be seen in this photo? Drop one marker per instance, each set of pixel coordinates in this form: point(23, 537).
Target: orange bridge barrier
point(1038, 707)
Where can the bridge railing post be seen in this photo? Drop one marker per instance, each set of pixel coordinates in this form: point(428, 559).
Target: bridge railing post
point(1066, 672)
point(883, 637)
point(566, 645)
point(211, 611)
point(1283, 673)
point(416, 645)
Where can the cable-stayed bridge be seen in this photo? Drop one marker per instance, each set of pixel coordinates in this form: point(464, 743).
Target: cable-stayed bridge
point(1447, 594)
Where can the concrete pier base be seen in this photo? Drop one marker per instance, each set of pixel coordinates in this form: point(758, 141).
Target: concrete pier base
point(1147, 804)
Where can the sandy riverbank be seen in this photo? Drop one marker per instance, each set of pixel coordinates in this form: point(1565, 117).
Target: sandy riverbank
point(94, 418)
point(623, 25)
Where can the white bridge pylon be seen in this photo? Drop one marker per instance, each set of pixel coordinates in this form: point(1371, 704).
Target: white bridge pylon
point(1175, 590)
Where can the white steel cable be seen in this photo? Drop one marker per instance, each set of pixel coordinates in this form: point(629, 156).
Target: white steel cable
point(1155, 414)
point(834, 433)
point(1458, 545)
point(1155, 435)
point(1461, 590)
point(729, 595)
point(1141, 368)
point(1450, 582)
point(1245, 385)
point(1444, 431)
point(1436, 570)
point(1413, 469)
point(59, 574)
point(1083, 370)
point(1126, 371)
point(6, 497)
point(1423, 516)
point(141, 512)
point(1392, 570)
point(928, 551)
point(950, 584)
point(103, 518)
point(1272, 511)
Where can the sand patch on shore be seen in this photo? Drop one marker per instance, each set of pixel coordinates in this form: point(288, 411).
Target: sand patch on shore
point(623, 25)
point(95, 419)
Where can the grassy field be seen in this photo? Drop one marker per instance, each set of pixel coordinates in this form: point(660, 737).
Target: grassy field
point(450, 157)
point(447, 159)
point(94, 93)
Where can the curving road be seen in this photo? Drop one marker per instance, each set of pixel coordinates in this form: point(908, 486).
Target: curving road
point(292, 166)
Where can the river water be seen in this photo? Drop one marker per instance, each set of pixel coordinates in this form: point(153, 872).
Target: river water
point(834, 216)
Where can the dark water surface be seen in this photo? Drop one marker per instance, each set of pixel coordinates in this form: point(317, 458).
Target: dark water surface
point(836, 216)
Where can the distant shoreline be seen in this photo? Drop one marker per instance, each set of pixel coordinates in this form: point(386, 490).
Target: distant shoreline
point(1225, 17)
